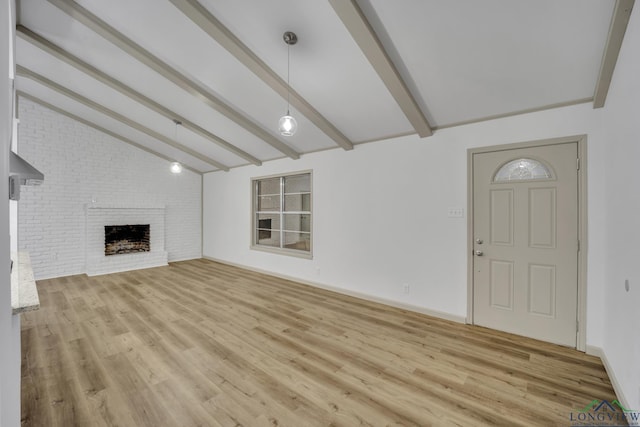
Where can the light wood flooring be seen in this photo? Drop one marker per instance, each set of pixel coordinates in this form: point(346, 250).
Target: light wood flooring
point(200, 343)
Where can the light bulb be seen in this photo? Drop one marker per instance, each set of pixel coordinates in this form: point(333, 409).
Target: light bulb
point(176, 167)
point(287, 125)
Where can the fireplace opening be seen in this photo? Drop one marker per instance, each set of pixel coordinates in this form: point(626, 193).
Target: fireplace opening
point(124, 239)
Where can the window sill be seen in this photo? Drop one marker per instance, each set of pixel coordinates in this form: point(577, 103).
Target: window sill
point(278, 251)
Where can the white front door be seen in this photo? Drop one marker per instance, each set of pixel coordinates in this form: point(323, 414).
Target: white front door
point(525, 225)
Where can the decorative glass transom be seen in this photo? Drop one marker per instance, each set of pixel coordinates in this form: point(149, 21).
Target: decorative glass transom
point(522, 169)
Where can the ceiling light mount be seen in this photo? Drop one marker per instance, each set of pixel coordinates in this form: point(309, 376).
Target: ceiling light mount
point(290, 38)
point(287, 124)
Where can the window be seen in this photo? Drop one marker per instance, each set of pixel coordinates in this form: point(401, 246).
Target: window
point(522, 169)
point(282, 214)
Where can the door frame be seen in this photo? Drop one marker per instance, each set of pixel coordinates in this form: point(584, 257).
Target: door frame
point(581, 140)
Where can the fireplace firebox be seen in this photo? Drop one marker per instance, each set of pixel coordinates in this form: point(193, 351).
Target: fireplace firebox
point(124, 239)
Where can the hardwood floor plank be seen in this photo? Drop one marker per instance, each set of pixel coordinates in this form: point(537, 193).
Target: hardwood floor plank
point(88, 368)
point(108, 409)
point(199, 343)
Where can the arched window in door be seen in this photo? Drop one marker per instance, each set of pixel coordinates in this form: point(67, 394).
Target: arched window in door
point(521, 170)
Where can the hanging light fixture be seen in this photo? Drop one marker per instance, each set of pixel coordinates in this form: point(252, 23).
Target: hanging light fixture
point(176, 167)
point(287, 124)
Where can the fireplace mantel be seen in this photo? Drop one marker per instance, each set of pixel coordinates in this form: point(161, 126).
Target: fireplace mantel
point(97, 216)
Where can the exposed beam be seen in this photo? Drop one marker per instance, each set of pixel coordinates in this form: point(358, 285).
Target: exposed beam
point(57, 52)
point(364, 35)
point(212, 26)
point(618, 27)
point(25, 72)
point(515, 113)
point(100, 128)
point(197, 90)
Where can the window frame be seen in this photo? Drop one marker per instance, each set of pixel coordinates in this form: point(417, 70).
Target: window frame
point(299, 253)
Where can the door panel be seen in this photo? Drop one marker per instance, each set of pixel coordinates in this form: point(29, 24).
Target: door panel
point(542, 290)
point(542, 218)
point(502, 217)
point(525, 226)
point(502, 284)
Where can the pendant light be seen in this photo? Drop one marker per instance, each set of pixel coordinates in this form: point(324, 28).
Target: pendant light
point(287, 124)
point(176, 167)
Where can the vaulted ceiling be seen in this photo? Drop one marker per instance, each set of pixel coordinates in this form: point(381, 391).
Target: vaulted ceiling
point(362, 70)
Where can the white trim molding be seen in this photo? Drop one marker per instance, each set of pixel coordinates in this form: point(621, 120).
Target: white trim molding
point(617, 388)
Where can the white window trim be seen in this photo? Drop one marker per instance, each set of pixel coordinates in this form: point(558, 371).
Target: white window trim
point(270, 249)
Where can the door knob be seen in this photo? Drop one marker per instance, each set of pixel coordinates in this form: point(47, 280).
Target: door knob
point(479, 253)
point(479, 241)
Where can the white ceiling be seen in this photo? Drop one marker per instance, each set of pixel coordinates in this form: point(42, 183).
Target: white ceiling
point(460, 60)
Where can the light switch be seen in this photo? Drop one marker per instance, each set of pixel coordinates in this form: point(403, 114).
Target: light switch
point(455, 213)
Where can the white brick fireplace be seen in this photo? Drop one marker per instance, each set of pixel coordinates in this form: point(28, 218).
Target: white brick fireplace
point(99, 216)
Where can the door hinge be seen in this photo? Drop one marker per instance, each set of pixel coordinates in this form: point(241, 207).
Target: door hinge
point(578, 163)
point(578, 245)
point(577, 326)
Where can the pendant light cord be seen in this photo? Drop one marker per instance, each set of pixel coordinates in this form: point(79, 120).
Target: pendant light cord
point(175, 132)
point(287, 125)
point(288, 72)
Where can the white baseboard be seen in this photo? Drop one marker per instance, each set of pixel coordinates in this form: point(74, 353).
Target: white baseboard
point(185, 259)
point(124, 270)
point(599, 352)
point(367, 297)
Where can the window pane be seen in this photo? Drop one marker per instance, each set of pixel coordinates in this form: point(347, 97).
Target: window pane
point(297, 202)
point(297, 184)
point(522, 169)
point(298, 241)
point(268, 203)
point(268, 221)
point(282, 212)
point(297, 222)
point(268, 229)
point(268, 238)
point(269, 186)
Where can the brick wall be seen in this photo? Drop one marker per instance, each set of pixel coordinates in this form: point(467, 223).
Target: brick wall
point(83, 166)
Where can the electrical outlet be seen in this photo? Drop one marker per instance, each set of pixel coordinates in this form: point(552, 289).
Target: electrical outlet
point(405, 288)
point(455, 212)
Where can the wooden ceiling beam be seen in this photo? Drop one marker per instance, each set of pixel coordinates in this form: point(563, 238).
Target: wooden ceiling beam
point(25, 72)
point(619, 22)
point(61, 54)
point(99, 128)
point(364, 35)
point(221, 34)
point(197, 90)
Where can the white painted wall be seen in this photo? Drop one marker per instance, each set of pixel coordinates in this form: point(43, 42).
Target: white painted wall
point(9, 324)
point(380, 212)
point(622, 202)
point(81, 164)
